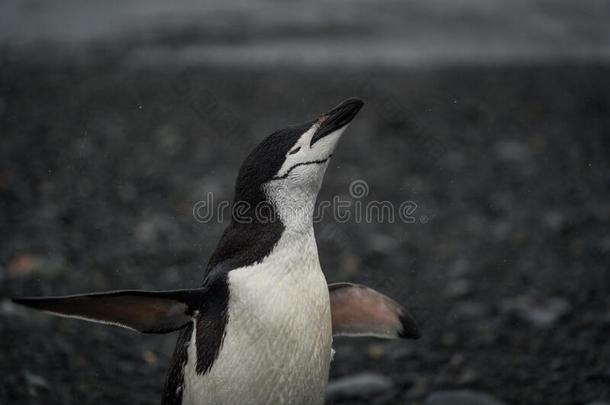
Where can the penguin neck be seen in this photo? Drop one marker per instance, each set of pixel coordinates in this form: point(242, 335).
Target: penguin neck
point(294, 206)
point(280, 222)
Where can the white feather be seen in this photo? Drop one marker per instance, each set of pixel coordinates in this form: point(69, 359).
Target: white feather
point(277, 346)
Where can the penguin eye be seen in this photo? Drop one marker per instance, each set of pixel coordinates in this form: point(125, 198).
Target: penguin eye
point(295, 150)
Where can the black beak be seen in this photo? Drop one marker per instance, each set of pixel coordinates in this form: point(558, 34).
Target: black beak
point(337, 118)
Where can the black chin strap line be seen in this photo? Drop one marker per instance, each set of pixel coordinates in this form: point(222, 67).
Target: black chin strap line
point(313, 162)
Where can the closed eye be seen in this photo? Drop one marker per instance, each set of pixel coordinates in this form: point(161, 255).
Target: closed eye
point(295, 150)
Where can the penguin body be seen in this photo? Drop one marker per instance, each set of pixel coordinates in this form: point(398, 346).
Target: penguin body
point(259, 330)
point(276, 348)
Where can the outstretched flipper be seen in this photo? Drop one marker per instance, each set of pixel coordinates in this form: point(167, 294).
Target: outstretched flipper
point(142, 311)
point(361, 311)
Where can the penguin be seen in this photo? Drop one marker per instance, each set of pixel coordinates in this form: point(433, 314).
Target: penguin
point(259, 330)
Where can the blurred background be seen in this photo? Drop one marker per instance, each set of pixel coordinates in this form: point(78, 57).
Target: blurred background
point(492, 116)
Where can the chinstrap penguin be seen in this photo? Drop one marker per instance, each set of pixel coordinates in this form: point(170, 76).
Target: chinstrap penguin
point(259, 329)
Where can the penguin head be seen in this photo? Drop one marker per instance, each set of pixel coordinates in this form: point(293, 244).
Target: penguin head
point(289, 164)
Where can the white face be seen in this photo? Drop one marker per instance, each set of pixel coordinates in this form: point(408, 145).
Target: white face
point(305, 164)
point(294, 188)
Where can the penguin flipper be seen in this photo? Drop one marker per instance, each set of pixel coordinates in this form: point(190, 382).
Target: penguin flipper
point(361, 311)
point(142, 311)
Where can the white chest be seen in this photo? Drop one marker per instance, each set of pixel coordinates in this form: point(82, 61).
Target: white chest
point(278, 339)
